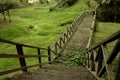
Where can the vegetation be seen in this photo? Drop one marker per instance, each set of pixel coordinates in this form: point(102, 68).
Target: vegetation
point(61, 4)
point(72, 59)
point(5, 6)
point(104, 30)
point(35, 25)
point(108, 10)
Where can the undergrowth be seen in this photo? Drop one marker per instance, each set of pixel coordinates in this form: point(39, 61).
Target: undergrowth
point(71, 59)
point(35, 25)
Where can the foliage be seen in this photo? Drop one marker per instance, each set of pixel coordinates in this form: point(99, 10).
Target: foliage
point(104, 30)
point(23, 1)
point(44, 1)
point(109, 10)
point(5, 6)
point(88, 3)
point(45, 29)
point(71, 59)
point(62, 3)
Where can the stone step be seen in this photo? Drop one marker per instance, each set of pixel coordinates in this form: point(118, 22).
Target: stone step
point(57, 72)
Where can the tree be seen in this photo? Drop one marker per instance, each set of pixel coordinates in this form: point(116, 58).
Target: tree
point(88, 3)
point(108, 10)
point(5, 6)
point(44, 1)
point(23, 1)
point(41, 1)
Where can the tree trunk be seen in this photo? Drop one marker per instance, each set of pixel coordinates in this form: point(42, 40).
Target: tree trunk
point(3, 13)
point(8, 13)
point(47, 1)
point(41, 1)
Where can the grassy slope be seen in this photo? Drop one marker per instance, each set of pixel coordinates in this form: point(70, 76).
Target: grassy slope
point(48, 29)
point(104, 30)
point(48, 24)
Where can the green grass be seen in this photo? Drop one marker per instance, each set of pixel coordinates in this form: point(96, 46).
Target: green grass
point(46, 29)
point(104, 30)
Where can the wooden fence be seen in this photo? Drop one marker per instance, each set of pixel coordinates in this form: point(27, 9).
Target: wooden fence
point(20, 54)
point(99, 59)
point(58, 46)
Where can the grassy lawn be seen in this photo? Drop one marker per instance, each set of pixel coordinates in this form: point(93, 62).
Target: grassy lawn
point(36, 26)
point(46, 26)
point(104, 30)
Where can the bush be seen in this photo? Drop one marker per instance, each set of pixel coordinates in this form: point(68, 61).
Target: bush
point(63, 3)
point(109, 12)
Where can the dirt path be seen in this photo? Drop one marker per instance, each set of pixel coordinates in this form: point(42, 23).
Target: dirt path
point(57, 73)
point(73, 53)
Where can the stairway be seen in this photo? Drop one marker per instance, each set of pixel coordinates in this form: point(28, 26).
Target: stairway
point(57, 72)
point(77, 45)
point(61, 69)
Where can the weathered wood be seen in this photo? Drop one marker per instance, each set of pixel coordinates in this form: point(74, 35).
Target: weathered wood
point(101, 71)
point(20, 56)
point(114, 52)
point(18, 69)
point(111, 38)
point(117, 75)
point(108, 66)
point(10, 71)
point(39, 58)
point(98, 53)
point(100, 60)
point(22, 60)
point(96, 62)
point(49, 54)
point(88, 60)
point(15, 43)
point(92, 62)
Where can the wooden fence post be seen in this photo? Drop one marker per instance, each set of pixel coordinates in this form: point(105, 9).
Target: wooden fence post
point(49, 55)
point(117, 77)
point(22, 60)
point(56, 49)
point(39, 58)
point(100, 60)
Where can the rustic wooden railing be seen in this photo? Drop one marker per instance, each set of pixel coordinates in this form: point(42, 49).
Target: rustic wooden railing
point(56, 48)
point(20, 54)
point(59, 45)
point(99, 59)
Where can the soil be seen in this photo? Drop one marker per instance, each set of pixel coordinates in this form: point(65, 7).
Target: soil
point(4, 22)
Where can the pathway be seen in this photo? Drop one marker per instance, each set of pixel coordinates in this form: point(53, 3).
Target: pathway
point(63, 70)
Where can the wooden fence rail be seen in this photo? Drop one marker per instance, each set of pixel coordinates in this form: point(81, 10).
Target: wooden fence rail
point(99, 60)
point(20, 54)
point(56, 49)
point(58, 46)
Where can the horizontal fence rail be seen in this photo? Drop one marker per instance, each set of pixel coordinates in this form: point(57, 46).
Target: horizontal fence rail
point(21, 56)
point(99, 59)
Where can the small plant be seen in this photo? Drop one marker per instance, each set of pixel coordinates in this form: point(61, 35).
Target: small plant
point(72, 59)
